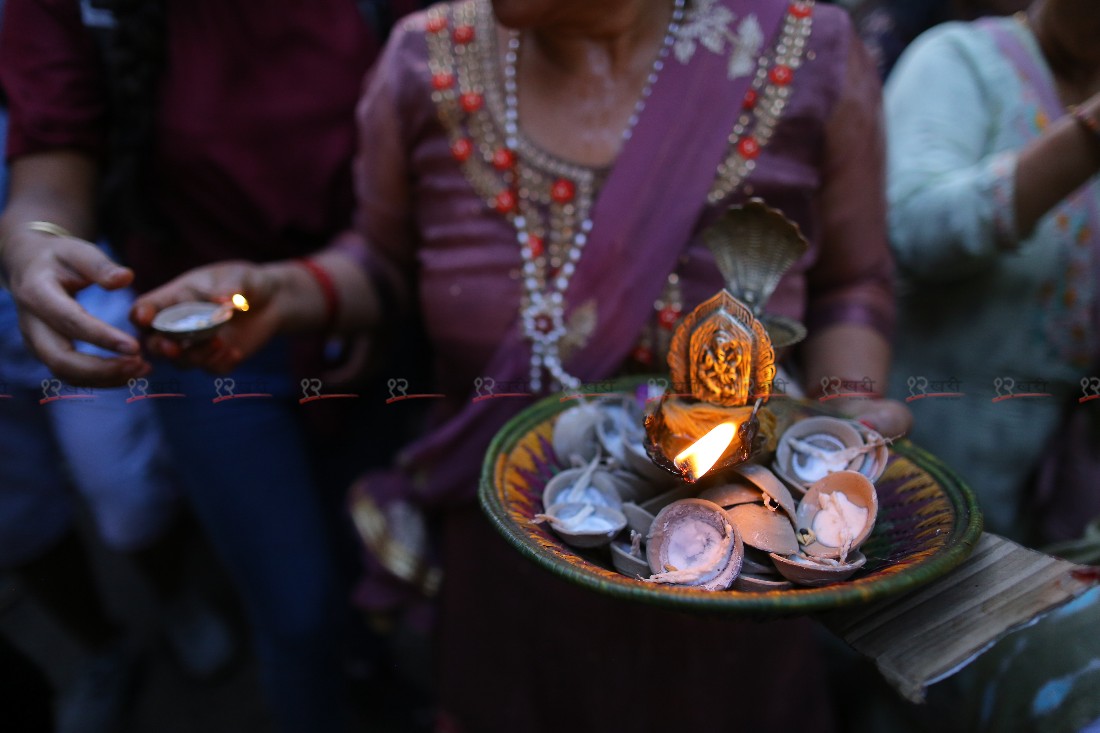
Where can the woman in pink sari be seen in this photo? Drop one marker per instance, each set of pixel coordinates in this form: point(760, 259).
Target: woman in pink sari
point(534, 180)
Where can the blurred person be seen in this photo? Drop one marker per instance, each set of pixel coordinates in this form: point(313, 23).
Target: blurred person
point(111, 451)
point(530, 162)
point(993, 154)
point(188, 133)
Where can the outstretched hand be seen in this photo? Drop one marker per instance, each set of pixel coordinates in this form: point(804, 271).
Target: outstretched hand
point(233, 342)
point(45, 271)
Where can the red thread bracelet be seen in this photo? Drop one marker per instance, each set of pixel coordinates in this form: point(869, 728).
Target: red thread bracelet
point(328, 290)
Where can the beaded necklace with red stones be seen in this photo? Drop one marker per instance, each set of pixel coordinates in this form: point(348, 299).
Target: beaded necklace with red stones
point(543, 309)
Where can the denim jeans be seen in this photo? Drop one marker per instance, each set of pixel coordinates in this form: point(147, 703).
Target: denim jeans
point(241, 452)
point(55, 439)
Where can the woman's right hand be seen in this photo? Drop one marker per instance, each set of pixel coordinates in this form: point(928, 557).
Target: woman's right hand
point(330, 292)
point(267, 289)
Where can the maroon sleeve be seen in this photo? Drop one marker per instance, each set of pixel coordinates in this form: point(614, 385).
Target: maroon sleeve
point(52, 74)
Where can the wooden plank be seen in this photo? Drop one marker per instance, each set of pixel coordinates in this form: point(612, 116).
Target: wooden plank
point(930, 633)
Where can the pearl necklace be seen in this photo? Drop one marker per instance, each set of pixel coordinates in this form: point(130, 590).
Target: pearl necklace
point(542, 312)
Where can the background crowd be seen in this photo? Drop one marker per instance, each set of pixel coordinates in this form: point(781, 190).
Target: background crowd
point(417, 206)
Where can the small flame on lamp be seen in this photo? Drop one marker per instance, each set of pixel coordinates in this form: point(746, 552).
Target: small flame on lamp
point(240, 302)
point(695, 460)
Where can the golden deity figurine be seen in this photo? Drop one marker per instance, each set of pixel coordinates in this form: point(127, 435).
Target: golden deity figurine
point(722, 352)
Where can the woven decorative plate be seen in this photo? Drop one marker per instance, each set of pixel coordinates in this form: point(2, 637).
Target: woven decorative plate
point(928, 523)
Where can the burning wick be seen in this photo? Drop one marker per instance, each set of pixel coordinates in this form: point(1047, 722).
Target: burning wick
point(694, 461)
point(237, 303)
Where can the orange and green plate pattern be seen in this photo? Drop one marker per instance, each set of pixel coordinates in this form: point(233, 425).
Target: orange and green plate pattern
point(928, 523)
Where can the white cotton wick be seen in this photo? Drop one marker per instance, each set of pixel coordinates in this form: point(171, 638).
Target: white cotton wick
point(697, 552)
point(839, 521)
point(693, 544)
point(817, 462)
point(578, 492)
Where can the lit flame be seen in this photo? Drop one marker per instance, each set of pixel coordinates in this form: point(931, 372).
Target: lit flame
point(701, 456)
point(240, 302)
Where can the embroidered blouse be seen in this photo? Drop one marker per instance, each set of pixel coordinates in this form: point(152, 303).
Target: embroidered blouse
point(437, 234)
